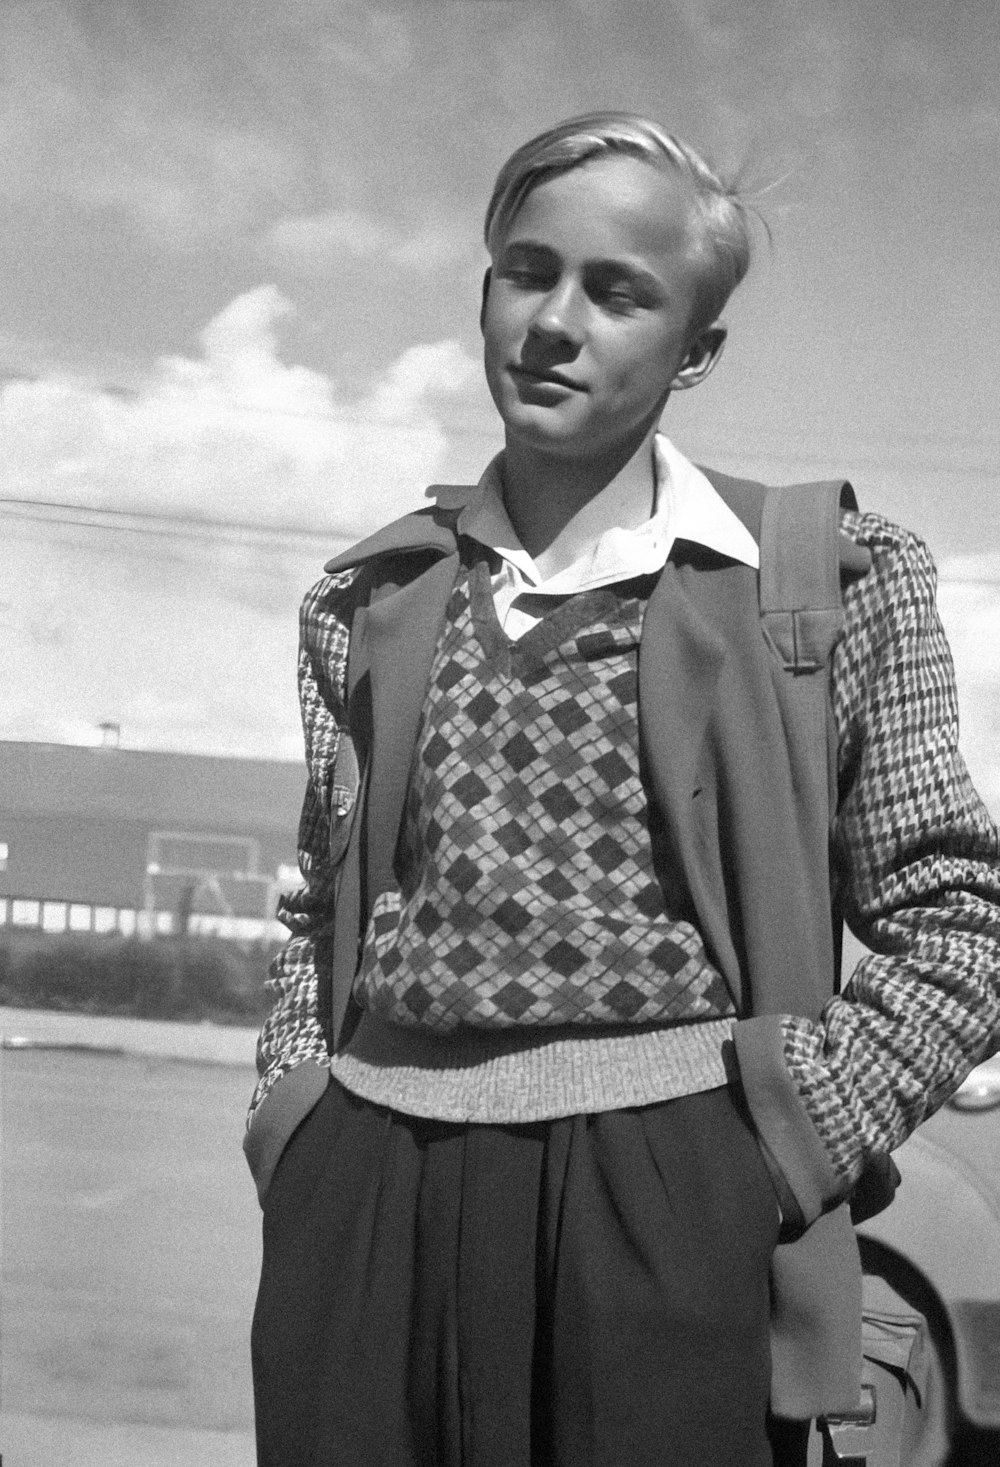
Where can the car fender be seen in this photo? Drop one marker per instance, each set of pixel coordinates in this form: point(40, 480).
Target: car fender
point(945, 1222)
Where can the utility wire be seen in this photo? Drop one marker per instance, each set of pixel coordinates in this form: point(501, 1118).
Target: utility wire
point(203, 528)
point(149, 522)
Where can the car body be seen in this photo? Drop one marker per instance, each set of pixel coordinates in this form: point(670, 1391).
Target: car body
point(938, 1246)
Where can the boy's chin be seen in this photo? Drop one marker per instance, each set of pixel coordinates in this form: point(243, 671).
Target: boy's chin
point(568, 441)
point(547, 428)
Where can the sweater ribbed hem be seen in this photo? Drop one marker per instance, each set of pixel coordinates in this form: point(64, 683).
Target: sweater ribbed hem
point(522, 1075)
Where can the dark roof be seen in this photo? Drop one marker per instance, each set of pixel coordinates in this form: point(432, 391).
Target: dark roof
point(168, 791)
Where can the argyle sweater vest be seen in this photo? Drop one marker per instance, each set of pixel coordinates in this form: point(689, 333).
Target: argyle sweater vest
point(527, 892)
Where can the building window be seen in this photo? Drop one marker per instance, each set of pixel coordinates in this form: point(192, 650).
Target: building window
point(24, 913)
point(53, 916)
point(3, 911)
point(4, 854)
point(126, 922)
point(79, 917)
point(105, 919)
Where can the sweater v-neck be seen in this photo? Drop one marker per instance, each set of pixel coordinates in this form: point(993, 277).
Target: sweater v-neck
point(569, 616)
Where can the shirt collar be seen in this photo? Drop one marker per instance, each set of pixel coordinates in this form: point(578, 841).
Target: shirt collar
point(686, 507)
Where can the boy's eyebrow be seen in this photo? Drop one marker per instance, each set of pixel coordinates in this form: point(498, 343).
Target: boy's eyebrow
point(527, 247)
point(613, 267)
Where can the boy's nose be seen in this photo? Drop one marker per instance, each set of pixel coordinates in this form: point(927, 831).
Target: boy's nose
point(559, 315)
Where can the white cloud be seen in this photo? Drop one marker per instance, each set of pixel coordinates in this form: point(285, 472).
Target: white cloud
point(188, 640)
point(235, 433)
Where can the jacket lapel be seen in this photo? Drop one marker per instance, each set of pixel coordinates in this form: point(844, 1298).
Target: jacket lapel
point(425, 529)
point(400, 635)
point(680, 659)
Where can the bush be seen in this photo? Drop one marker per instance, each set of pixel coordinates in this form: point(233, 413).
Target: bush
point(224, 980)
point(166, 978)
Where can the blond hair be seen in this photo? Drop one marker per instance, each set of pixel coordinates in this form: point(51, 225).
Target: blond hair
point(721, 217)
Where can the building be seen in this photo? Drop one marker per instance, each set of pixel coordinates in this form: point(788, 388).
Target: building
point(122, 840)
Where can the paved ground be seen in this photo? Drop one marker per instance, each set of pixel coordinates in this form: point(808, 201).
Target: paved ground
point(38, 1441)
point(210, 1043)
point(130, 1245)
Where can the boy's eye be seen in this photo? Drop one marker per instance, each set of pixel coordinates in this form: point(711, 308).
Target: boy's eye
point(615, 298)
point(617, 290)
point(527, 275)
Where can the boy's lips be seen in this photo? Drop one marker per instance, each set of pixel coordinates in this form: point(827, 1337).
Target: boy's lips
point(553, 379)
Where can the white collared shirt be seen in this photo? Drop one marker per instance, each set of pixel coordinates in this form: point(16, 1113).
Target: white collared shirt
point(685, 507)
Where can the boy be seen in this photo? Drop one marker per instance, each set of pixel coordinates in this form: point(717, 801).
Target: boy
point(558, 1115)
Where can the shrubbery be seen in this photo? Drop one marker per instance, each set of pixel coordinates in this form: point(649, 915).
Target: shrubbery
point(167, 978)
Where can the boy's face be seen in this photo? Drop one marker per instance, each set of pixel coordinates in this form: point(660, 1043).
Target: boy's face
point(587, 312)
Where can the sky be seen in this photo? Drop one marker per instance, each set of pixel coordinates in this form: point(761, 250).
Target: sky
point(240, 276)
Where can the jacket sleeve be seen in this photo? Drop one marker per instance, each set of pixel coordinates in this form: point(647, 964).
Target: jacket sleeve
point(292, 1051)
point(917, 861)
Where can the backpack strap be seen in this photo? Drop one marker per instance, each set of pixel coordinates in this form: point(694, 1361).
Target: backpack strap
point(803, 558)
point(800, 565)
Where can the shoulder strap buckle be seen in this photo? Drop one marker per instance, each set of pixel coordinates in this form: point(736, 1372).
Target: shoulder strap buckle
point(800, 595)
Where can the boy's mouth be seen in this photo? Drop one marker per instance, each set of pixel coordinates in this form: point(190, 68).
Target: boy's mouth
point(545, 379)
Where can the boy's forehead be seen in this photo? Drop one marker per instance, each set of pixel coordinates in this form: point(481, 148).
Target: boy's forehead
point(620, 202)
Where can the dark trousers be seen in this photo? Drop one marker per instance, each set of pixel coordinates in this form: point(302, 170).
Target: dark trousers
point(585, 1292)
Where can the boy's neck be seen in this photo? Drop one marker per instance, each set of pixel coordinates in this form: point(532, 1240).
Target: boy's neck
point(547, 500)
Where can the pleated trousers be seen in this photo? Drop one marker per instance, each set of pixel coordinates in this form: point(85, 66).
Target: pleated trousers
point(585, 1292)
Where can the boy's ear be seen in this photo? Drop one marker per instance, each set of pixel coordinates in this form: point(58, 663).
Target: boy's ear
point(486, 291)
point(702, 355)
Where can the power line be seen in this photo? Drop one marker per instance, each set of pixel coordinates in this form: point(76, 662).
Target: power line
point(212, 531)
point(149, 522)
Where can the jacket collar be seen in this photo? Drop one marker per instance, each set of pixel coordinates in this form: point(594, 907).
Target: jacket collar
point(431, 529)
